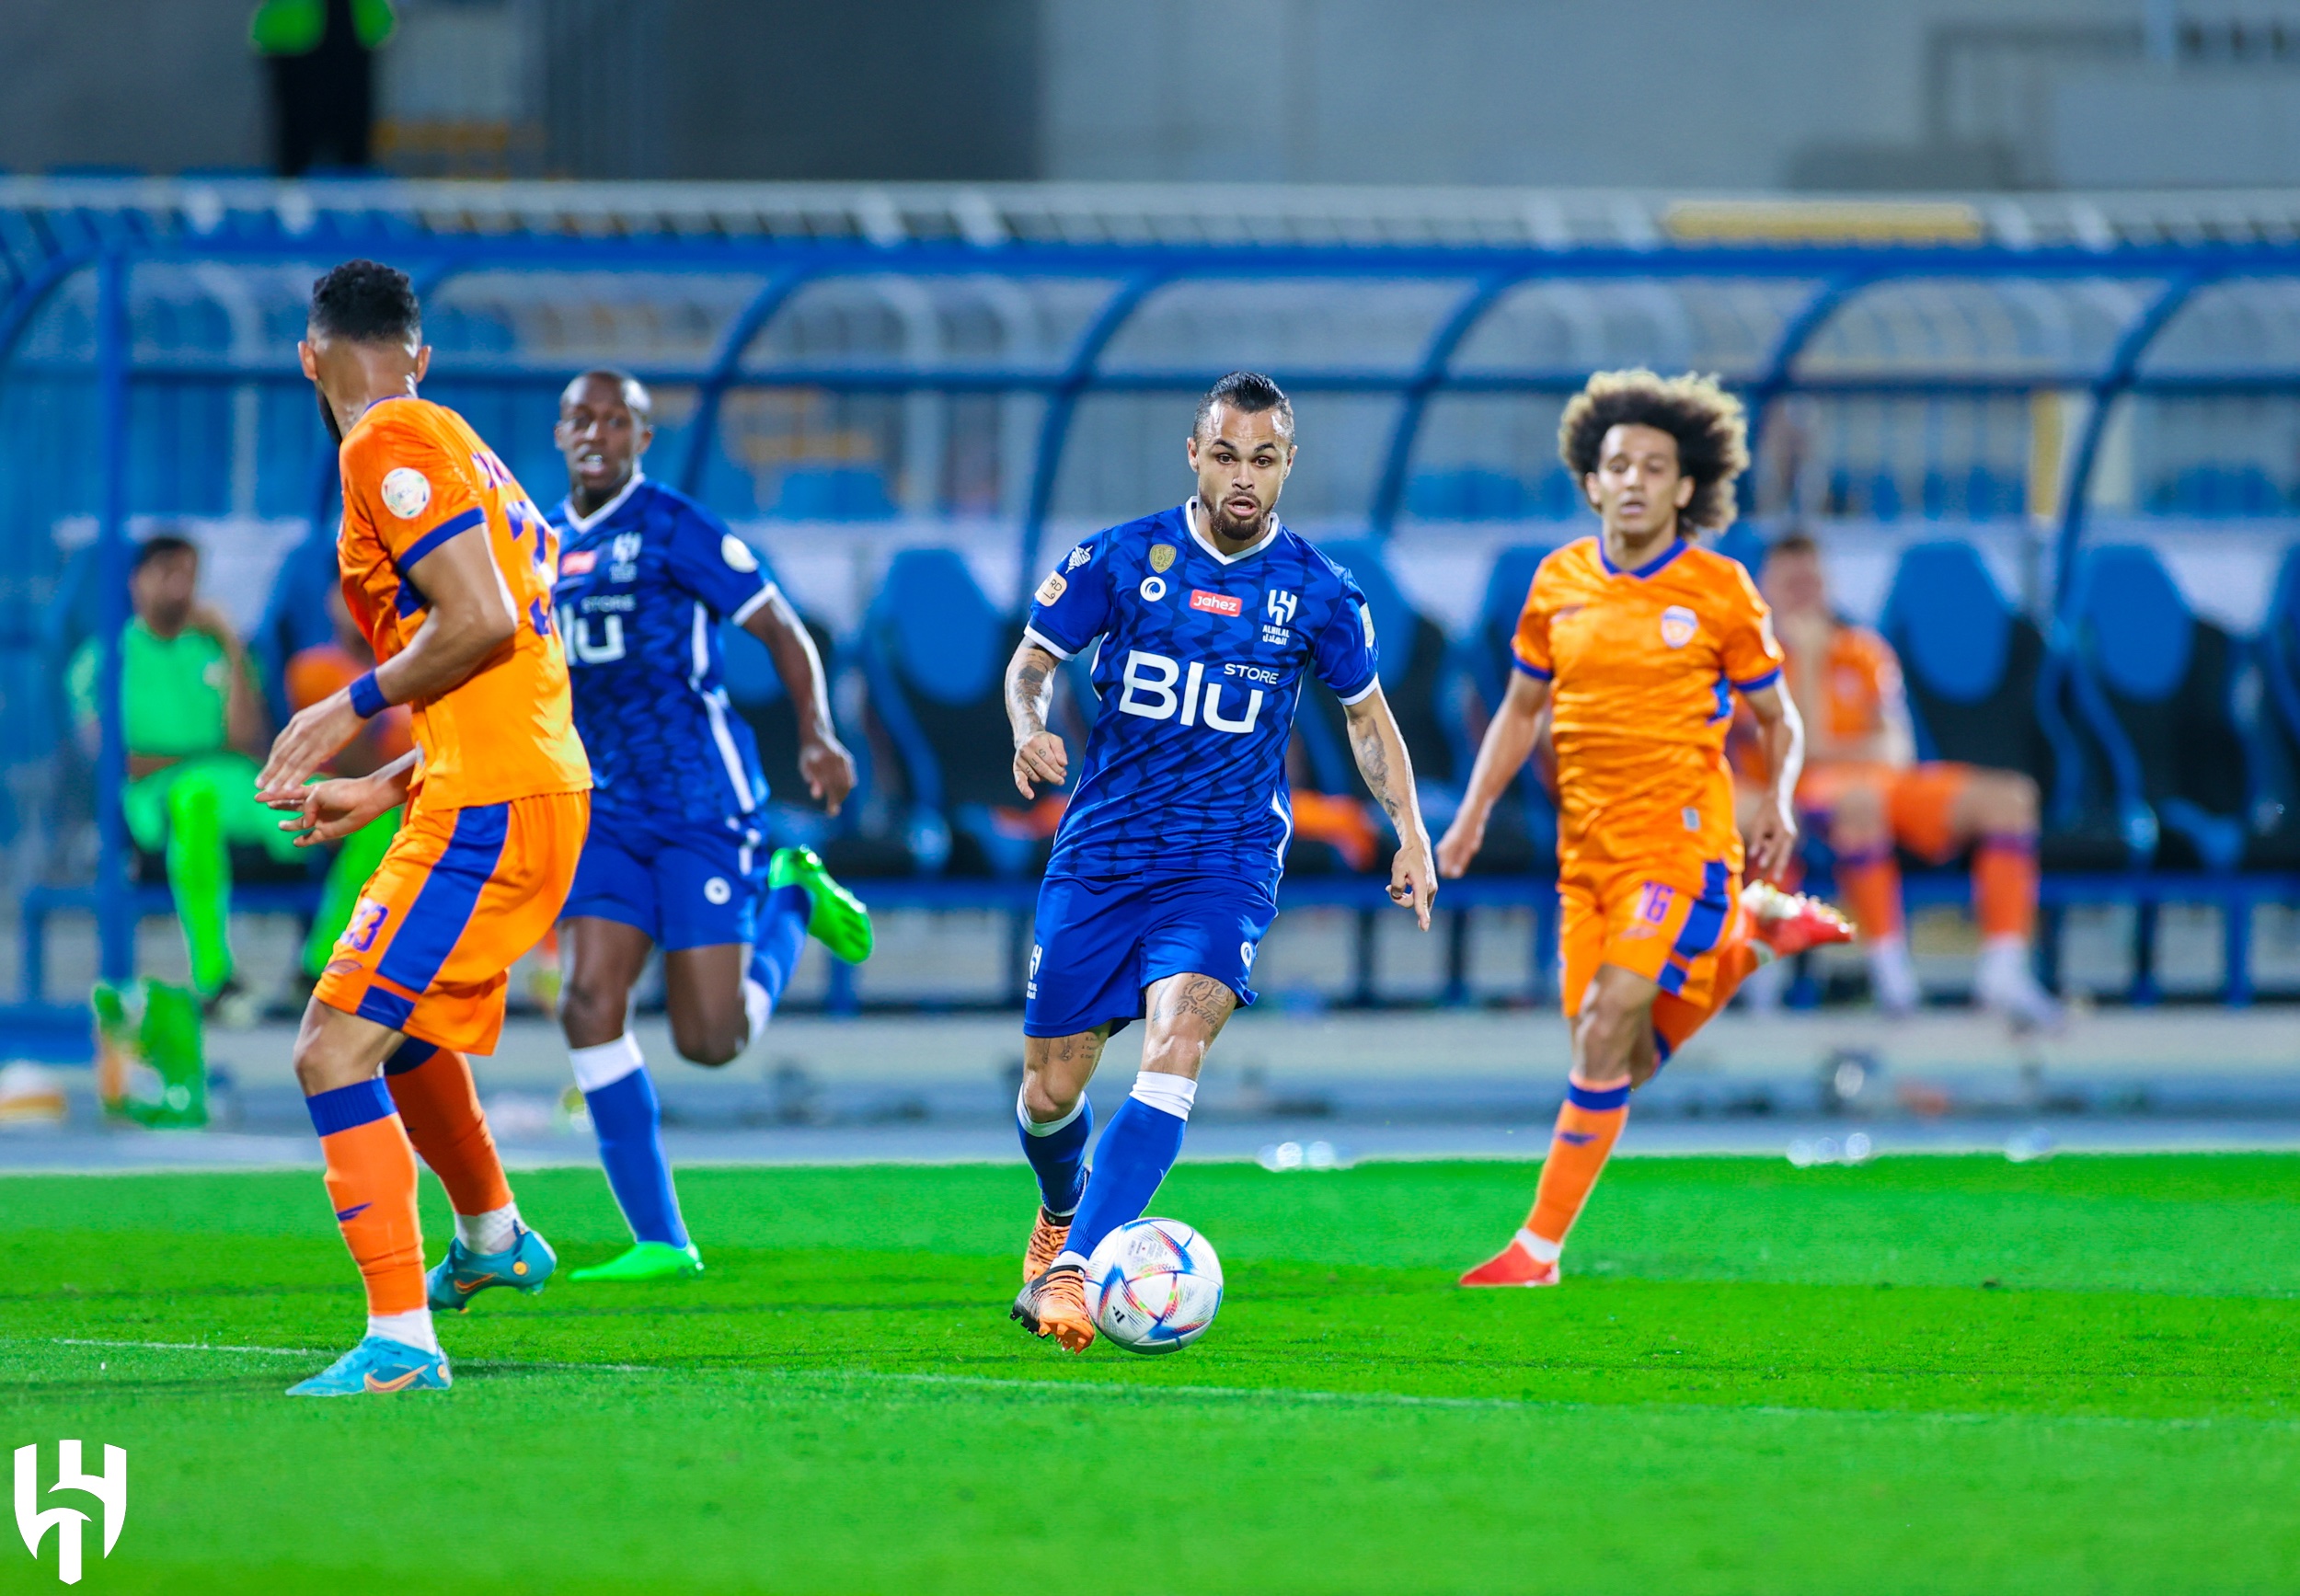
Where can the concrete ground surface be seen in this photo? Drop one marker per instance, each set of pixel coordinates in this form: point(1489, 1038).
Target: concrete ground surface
point(1372, 1085)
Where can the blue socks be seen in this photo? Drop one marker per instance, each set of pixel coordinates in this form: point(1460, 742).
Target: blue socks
point(627, 1119)
point(1139, 1145)
point(782, 937)
point(1057, 1152)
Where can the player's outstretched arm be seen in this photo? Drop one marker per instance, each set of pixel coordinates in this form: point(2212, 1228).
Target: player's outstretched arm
point(1388, 772)
point(327, 812)
point(1781, 735)
point(471, 616)
point(823, 761)
point(1509, 740)
point(1039, 754)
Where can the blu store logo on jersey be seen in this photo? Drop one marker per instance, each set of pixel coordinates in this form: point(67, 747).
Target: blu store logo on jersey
point(1150, 691)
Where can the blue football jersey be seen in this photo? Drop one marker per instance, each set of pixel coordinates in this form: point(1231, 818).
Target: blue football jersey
point(1199, 673)
point(643, 585)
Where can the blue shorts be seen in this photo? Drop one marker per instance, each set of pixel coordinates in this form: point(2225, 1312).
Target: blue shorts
point(1099, 942)
point(685, 885)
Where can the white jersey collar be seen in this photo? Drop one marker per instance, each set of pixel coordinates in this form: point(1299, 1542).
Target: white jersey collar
point(1190, 519)
point(585, 522)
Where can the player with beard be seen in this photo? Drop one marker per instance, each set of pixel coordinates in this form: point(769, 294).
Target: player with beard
point(446, 567)
point(1164, 871)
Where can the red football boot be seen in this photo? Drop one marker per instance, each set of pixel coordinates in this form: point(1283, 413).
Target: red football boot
point(1513, 1266)
point(1789, 922)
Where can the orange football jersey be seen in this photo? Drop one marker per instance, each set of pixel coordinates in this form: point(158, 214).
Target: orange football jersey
point(1860, 682)
point(1643, 664)
point(414, 475)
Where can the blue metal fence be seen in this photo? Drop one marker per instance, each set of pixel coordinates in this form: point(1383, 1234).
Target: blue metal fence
point(139, 341)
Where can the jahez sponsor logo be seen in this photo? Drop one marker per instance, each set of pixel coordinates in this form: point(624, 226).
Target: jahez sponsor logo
point(578, 563)
point(1217, 604)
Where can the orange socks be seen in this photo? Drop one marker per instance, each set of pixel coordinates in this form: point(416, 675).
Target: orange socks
point(1588, 1122)
point(1870, 885)
point(2004, 886)
point(440, 1104)
point(370, 1181)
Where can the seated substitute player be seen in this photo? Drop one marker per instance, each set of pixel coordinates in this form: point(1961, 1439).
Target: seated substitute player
point(1865, 788)
point(447, 571)
point(676, 856)
point(1634, 640)
point(1165, 872)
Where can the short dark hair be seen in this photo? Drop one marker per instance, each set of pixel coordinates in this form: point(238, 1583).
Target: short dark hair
point(159, 546)
point(366, 302)
point(1249, 392)
point(1793, 542)
point(1711, 430)
point(633, 391)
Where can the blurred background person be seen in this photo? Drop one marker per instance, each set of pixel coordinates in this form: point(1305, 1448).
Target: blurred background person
point(193, 719)
point(1868, 794)
point(321, 58)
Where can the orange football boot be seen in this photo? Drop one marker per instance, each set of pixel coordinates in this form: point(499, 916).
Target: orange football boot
point(1055, 1304)
point(1512, 1266)
point(1046, 1244)
point(1789, 922)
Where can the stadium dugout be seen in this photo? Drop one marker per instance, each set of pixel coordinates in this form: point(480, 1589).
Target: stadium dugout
point(2093, 398)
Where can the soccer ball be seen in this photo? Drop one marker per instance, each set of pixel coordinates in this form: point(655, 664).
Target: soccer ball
point(1154, 1285)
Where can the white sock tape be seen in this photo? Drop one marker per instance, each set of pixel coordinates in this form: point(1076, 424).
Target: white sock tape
point(757, 1006)
point(1173, 1094)
point(1023, 1112)
point(606, 1063)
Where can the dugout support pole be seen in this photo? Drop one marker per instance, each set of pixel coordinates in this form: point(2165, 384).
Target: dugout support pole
point(115, 911)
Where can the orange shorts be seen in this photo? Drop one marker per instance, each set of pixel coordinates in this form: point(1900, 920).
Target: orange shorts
point(460, 896)
point(1920, 800)
point(1664, 919)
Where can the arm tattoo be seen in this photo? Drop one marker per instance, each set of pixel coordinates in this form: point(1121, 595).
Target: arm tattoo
point(1028, 689)
point(1366, 741)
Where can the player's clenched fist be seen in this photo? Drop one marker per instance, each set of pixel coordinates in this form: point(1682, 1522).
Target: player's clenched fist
point(1460, 844)
point(1041, 757)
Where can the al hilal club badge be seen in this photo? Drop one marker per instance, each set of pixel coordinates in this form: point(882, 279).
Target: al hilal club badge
point(1161, 556)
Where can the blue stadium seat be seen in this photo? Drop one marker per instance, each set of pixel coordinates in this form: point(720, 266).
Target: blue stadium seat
point(2276, 811)
point(2153, 685)
point(1985, 690)
point(934, 652)
point(755, 690)
point(1465, 493)
point(1523, 836)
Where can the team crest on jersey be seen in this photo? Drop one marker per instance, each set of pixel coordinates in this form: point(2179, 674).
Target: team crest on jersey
point(1678, 625)
point(406, 491)
point(1161, 556)
point(577, 563)
point(623, 552)
point(1153, 588)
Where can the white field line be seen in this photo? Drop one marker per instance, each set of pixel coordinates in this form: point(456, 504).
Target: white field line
point(190, 1346)
point(1278, 1395)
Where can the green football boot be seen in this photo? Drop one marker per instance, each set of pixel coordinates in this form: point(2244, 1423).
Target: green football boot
point(647, 1260)
point(839, 921)
point(151, 1067)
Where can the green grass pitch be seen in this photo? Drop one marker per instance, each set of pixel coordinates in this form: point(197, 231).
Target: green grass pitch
point(1923, 1376)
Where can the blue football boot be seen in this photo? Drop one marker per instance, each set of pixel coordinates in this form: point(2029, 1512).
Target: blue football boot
point(524, 1266)
point(378, 1366)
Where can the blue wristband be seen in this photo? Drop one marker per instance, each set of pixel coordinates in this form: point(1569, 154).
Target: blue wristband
point(368, 698)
